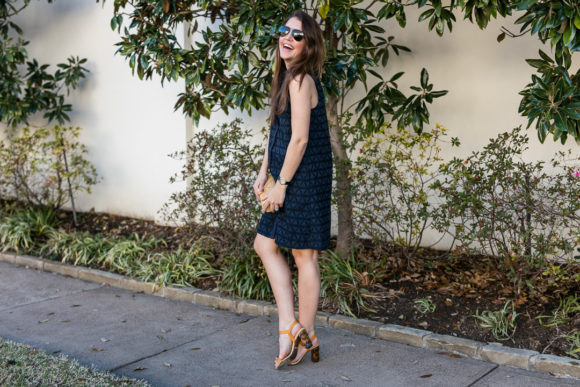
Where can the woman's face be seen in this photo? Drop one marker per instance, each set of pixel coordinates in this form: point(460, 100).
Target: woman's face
point(290, 48)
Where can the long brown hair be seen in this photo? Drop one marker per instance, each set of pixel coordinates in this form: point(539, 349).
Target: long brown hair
point(311, 61)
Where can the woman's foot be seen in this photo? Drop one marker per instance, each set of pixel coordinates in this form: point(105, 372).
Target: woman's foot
point(288, 343)
point(303, 350)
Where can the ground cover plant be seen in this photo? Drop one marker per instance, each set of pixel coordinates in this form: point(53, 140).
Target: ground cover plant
point(23, 365)
point(378, 284)
point(522, 292)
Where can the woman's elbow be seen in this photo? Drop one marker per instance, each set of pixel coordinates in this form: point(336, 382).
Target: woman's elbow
point(300, 142)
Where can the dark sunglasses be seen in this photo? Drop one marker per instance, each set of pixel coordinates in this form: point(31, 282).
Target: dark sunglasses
point(296, 34)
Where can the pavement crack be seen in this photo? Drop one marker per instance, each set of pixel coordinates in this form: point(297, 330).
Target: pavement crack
point(163, 351)
point(483, 376)
point(55, 297)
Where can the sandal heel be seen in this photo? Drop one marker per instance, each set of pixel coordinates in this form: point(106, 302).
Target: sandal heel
point(305, 340)
point(315, 355)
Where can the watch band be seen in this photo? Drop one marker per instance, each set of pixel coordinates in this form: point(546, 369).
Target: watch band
point(283, 181)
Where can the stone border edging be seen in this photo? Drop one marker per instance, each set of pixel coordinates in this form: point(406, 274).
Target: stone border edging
point(494, 353)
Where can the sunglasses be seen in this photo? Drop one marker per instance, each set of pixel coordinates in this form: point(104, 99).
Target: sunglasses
point(296, 34)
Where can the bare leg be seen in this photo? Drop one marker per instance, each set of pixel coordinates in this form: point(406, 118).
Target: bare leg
point(308, 289)
point(281, 282)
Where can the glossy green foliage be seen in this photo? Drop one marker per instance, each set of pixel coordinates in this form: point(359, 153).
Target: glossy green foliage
point(28, 87)
point(552, 98)
point(229, 63)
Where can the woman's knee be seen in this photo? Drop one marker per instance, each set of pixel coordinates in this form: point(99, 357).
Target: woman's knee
point(305, 257)
point(263, 245)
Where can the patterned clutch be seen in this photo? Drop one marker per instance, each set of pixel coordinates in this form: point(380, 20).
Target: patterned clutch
point(267, 187)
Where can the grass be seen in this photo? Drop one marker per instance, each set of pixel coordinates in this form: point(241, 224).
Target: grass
point(179, 267)
point(345, 282)
point(244, 275)
point(562, 314)
point(501, 322)
point(23, 365)
point(424, 305)
point(573, 339)
point(24, 228)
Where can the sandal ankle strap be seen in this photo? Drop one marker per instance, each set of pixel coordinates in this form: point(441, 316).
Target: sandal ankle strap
point(289, 330)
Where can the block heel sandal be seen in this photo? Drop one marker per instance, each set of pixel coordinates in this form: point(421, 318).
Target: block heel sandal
point(295, 341)
point(314, 350)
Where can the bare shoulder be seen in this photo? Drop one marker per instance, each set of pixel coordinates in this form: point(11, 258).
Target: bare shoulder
point(306, 87)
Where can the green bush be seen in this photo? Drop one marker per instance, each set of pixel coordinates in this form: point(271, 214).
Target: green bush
point(345, 282)
point(220, 169)
point(392, 178)
point(513, 210)
point(24, 229)
point(177, 268)
point(78, 248)
point(244, 275)
point(124, 254)
point(45, 167)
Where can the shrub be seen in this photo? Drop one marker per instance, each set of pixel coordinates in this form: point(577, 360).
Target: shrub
point(45, 167)
point(346, 282)
point(78, 248)
point(180, 267)
point(244, 275)
point(393, 197)
point(510, 209)
point(126, 253)
point(23, 229)
point(220, 169)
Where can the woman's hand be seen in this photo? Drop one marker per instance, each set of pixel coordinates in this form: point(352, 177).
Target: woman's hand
point(275, 199)
point(259, 184)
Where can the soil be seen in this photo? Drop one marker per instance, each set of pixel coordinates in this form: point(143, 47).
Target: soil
point(459, 288)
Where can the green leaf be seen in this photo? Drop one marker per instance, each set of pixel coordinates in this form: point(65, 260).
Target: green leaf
point(323, 8)
point(569, 34)
point(545, 56)
point(426, 14)
point(577, 21)
point(424, 78)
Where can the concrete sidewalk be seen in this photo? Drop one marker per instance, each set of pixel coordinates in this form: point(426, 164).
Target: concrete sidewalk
point(174, 343)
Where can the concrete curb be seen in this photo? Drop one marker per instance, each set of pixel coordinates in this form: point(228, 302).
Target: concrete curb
point(494, 353)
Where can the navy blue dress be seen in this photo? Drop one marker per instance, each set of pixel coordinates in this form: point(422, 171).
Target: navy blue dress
point(304, 220)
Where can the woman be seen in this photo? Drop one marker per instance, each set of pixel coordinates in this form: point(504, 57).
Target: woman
point(299, 158)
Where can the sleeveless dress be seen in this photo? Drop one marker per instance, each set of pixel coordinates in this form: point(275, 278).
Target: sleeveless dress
point(303, 222)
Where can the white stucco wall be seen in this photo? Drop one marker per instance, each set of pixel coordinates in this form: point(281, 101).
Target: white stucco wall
point(128, 125)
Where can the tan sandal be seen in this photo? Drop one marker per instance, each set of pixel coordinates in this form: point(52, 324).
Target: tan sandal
point(295, 341)
point(314, 351)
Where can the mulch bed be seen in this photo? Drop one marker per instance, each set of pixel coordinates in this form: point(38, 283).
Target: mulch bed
point(458, 288)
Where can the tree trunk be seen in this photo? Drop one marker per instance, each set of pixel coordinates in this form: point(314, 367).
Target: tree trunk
point(343, 181)
point(342, 162)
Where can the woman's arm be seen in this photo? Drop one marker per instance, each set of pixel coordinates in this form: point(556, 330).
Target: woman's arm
point(263, 174)
point(300, 102)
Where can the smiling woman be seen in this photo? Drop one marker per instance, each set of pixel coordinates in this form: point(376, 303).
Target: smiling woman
point(296, 211)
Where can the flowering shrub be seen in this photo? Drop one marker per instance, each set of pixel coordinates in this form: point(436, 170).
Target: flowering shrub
point(44, 166)
point(220, 169)
point(510, 209)
point(393, 197)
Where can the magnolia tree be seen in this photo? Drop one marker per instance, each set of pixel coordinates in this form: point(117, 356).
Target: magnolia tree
point(229, 65)
point(37, 163)
point(28, 87)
